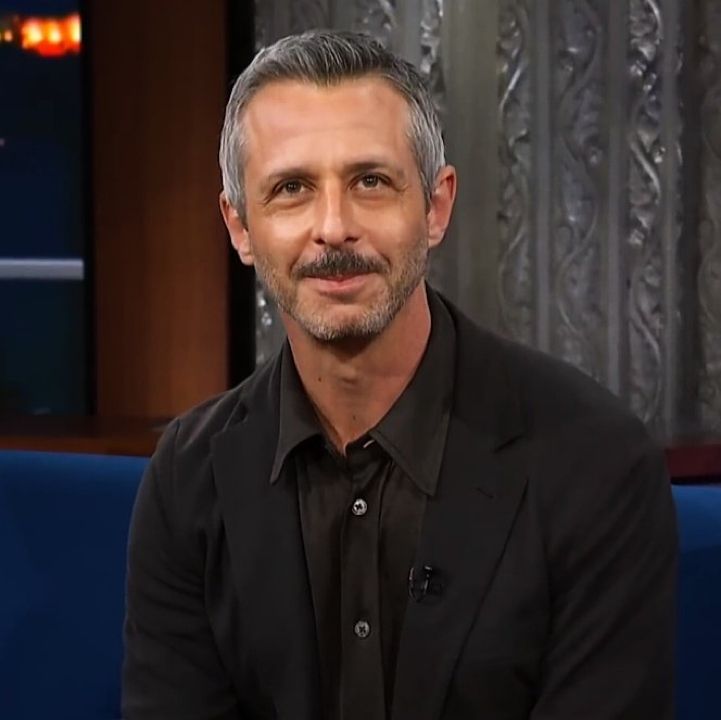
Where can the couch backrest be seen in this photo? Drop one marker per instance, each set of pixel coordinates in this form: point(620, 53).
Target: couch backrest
point(698, 656)
point(63, 534)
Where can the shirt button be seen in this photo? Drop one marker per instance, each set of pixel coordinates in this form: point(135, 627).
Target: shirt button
point(362, 629)
point(360, 507)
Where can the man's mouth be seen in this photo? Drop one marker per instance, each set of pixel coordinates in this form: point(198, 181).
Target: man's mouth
point(340, 283)
point(341, 278)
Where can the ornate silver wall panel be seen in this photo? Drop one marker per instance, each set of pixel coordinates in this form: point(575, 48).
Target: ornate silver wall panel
point(516, 304)
point(574, 229)
point(646, 198)
point(590, 169)
point(709, 273)
point(377, 18)
point(579, 31)
point(430, 51)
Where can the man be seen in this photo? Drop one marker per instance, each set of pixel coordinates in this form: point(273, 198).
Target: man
point(401, 515)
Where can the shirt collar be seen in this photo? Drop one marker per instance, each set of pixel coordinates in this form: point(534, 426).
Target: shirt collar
point(413, 432)
point(298, 421)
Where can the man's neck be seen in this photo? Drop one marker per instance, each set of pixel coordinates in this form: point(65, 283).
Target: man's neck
point(352, 386)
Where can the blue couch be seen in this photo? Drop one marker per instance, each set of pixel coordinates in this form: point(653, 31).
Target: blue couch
point(63, 532)
point(698, 657)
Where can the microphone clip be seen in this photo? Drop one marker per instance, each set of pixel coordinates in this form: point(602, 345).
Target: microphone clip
point(424, 583)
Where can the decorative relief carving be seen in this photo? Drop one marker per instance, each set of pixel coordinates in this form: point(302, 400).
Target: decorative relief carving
point(266, 319)
point(578, 92)
point(377, 18)
point(307, 14)
point(676, 271)
point(515, 286)
point(645, 250)
point(431, 66)
point(709, 274)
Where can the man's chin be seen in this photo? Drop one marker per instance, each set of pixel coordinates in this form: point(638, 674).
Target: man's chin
point(349, 336)
point(342, 326)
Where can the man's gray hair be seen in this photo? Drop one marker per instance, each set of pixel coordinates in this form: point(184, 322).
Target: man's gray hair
point(326, 58)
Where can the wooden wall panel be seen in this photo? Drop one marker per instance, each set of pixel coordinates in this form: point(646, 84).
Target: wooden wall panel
point(158, 79)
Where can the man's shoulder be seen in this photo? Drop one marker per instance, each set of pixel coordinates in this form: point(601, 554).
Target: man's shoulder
point(572, 435)
point(550, 395)
point(191, 432)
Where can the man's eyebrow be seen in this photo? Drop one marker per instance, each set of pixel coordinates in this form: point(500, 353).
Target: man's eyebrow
point(353, 168)
point(370, 165)
point(283, 174)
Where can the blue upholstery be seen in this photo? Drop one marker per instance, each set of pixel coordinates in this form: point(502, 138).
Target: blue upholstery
point(698, 664)
point(63, 533)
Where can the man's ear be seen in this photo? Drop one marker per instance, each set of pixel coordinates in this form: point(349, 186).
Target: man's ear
point(441, 205)
point(239, 236)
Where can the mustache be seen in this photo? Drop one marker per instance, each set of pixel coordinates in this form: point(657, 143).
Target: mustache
point(336, 263)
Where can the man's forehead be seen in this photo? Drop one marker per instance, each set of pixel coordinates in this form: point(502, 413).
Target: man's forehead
point(294, 121)
point(370, 92)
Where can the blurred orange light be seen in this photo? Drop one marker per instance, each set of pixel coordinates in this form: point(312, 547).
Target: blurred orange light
point(53, 34)
point(73, 29)
point(8, 36)
point(32, 33)
point(52, 37)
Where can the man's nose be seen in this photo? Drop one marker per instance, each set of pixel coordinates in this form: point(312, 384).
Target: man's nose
point(334, 217)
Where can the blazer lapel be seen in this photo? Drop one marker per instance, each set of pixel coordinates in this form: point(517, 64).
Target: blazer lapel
point(465, 528)
point(266, 551)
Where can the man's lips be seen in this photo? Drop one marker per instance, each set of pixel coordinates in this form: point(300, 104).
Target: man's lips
point(340, 282)
point(341, 278)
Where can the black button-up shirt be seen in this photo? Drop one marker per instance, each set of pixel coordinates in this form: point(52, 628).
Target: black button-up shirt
point(360, 516)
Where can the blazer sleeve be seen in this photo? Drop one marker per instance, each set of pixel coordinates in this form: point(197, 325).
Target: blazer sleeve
point(171, 670)
point(611, 649)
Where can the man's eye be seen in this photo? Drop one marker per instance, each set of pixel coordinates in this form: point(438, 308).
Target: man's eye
point(371, 181)
point(291, 187)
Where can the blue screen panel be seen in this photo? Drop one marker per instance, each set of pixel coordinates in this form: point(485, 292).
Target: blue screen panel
point(42, 348)
point(41, 136)
point(43, 344)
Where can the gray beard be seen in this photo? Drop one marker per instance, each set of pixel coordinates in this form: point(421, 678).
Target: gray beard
point(336, 263)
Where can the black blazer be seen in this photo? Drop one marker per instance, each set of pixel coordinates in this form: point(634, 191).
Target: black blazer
point(553, 527)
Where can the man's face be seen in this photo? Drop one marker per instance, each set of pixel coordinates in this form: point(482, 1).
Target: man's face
point(336, 223)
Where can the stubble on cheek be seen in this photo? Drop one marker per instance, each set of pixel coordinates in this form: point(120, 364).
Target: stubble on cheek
point(328, 321)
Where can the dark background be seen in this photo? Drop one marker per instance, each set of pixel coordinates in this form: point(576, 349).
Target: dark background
point(84, 173)
point(43, 325)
